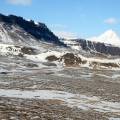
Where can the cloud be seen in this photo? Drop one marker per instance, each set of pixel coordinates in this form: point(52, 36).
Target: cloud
point(19, 2)
point(111, 21)
point(65, 34)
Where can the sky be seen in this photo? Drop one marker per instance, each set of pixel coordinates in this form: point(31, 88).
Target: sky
point(68, 18)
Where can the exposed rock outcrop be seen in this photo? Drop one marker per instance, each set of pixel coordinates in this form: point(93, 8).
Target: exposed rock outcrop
point(25, 30)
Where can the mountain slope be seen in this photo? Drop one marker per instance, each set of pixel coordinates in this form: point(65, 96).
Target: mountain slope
point(14, 29)
point(92, 48)
point(26, 40)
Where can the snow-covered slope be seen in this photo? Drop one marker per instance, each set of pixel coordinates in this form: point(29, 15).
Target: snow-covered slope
point(35, 42)
point(108, 37)
point(73, 44)
point(75, 60)
point(58, 57)
point(15, 35)
point(17, 30)
point(3, 35)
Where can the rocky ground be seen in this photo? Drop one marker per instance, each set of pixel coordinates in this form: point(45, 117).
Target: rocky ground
point(95, 94)
point(19, 109)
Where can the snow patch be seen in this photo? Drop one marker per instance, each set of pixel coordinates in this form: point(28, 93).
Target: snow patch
point(72, 100)
point(114, 118)
point(72, 43)
point(9, 49)
point(42, 57)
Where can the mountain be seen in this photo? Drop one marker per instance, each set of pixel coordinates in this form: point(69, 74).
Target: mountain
point(23, 40)
point(91, 48)
point(108, 37)
point(16, 30)
point(108, 44)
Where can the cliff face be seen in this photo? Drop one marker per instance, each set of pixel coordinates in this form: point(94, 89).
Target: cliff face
point(15, 26)
point(99, 47)
point(94, 47)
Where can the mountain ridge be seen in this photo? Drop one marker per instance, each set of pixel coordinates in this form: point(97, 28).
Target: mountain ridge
point(40, 32)
point(91, 47)
point(73, 53)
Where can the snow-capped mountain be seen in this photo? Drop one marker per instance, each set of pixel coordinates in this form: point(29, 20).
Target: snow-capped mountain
point(108, 37)
point(108, 43)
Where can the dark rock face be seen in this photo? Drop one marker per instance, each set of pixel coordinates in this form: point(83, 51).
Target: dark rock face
point(28, 50)
point(114, 65)
point(4, 73)
point(49, 64)
point(71, 60)
point(31, 65)
point(107, 65)
point(39, 31)
point(20, 55)
point(94, 47)
point(52, 58)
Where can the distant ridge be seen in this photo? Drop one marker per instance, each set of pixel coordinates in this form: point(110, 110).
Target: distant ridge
point(108, 37)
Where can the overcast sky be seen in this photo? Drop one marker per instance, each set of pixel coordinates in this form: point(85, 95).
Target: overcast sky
point(70, 18)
